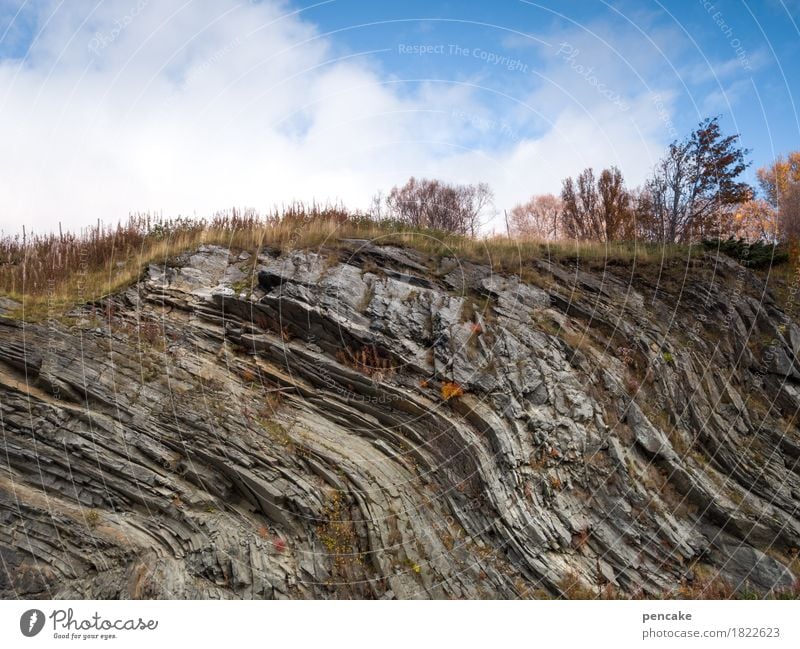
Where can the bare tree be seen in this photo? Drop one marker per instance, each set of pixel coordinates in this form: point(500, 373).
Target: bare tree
point(539, 218)
point(580, 211)
point(438, 205)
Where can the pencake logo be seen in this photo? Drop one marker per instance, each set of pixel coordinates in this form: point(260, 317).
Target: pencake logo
point(31, 622)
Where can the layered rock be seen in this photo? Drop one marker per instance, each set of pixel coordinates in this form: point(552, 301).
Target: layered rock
point(277, 426)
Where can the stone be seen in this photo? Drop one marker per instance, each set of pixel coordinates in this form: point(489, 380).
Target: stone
point(294, 441)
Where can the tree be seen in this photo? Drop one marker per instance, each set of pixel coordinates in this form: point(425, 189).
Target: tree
point(780, 185)
point(438, 205)
point(776, 178)
point(789, 215)
point(615, 205)
point(580, 200)
point(539, 218)
point(596, 209)
point(755, 220)
point(694, 183)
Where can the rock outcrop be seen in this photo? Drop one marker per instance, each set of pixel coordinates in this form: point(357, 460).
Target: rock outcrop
point(370, 422)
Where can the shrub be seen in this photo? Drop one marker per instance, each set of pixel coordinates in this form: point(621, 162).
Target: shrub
point(757, 254)
point(451, 390)
point(438, 205)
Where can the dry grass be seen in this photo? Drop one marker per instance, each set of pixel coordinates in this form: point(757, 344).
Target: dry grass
point(368, 360)
point(48, 273)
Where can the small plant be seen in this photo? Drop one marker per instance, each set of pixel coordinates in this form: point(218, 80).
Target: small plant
point(668, 357)
point(581, 539)
point(415, 567)
point(451, 390)
point(263, 532)
point(367, 360)
point(556, 484)
point(625, 355)
point(337, 533)
point(93, 517)
point(248, 376)
point(632, 385)
point(573, 587)
point(279, 544)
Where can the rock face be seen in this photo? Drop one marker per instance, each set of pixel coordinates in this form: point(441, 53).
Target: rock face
point(274, 426)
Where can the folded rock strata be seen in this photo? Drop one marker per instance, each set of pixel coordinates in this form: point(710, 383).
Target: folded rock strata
point(273, 425)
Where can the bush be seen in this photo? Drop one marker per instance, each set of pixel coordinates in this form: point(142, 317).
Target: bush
point(758, 254)
point(451, 391)
point(438, 205)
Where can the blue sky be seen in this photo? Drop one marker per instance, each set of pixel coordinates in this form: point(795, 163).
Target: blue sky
point(189, 107)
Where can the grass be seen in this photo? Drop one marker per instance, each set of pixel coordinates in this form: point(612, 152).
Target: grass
point(49, 273)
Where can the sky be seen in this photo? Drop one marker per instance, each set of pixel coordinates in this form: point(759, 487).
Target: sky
point(188, 107)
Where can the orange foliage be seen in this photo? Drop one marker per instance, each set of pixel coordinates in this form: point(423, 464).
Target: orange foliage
point(451, 390)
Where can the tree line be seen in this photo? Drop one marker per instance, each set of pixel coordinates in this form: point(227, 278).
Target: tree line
point(694, 192)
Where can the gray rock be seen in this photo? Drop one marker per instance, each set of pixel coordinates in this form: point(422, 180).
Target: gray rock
point(296, 442)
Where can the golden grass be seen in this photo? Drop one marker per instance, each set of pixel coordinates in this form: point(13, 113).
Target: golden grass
point(48, 274)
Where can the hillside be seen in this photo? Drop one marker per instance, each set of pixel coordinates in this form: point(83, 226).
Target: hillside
point(369, 420)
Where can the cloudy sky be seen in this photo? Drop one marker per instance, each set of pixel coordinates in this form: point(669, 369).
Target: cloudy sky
point(187, 107)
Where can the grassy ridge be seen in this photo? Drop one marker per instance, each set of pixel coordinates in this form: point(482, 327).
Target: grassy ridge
point(49, 273)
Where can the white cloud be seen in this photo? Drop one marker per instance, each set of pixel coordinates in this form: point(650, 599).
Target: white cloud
point(183, 110)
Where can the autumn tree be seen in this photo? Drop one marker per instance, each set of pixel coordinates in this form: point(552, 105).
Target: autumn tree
point(779, 183)
point(776, 178)
point(438, 205)
point(539, 218)
point(597, 209)
point(615, 205)
point(754, 220)
point(789, 215)
point(694, 184)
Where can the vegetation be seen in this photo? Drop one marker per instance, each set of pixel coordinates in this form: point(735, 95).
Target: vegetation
point(539, 218)
point(756, 254)
point(693, 193)
point(693, 197)
point(693, 184)
point(368, 360)
point(598, 210)
point(452, 390)
point(48, 274)
point(438, 205)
